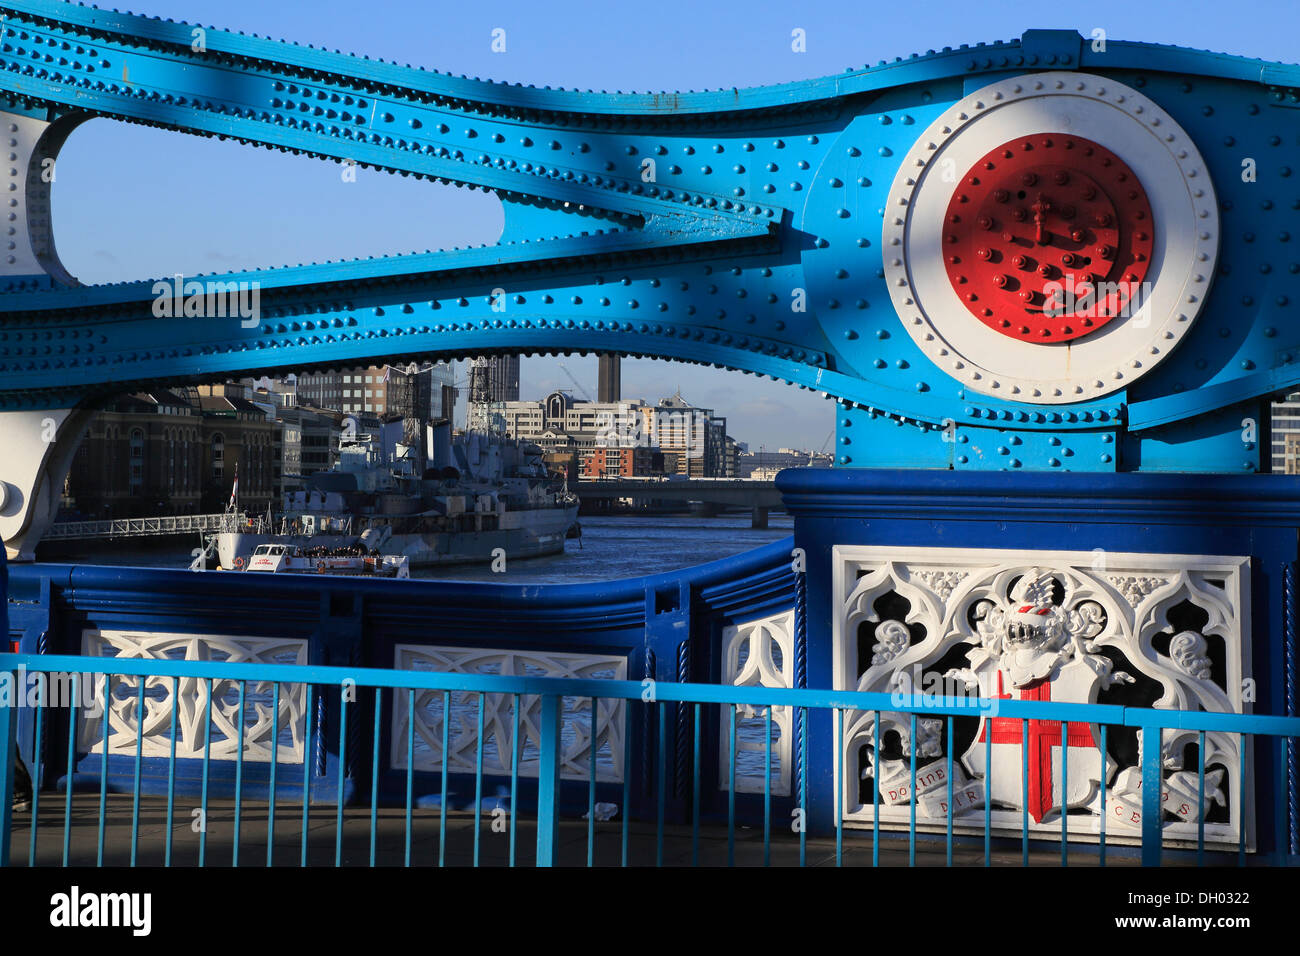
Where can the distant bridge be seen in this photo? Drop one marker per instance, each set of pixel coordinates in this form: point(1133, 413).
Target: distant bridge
point(759, 495)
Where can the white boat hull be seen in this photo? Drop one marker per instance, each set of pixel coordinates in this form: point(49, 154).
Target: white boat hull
point(539, 533)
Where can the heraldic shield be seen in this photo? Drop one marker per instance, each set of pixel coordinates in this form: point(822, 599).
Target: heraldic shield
point(1025, 653)
point(1161, 631)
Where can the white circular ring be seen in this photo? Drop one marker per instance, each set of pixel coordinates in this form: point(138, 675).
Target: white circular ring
point(1185, 248)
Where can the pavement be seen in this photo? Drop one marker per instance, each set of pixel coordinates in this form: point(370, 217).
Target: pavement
point(493, 839)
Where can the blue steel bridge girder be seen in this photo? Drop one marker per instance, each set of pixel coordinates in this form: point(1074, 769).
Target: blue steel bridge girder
point(789, 231)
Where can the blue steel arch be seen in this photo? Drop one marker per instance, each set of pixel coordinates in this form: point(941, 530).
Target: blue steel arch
point(759, 197)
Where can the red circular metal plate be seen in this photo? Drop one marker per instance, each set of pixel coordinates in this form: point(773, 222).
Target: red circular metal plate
point(1048, 238)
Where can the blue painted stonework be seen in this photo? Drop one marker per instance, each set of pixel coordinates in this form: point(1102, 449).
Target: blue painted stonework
point(1251, 516)
point(667, 627)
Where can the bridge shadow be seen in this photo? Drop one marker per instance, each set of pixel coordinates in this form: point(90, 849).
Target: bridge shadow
point(428, 847)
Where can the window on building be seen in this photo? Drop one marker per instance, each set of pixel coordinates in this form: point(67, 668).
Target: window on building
point(137, 460)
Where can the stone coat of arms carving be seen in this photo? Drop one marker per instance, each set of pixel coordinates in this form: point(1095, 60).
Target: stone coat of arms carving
point(1163, 631)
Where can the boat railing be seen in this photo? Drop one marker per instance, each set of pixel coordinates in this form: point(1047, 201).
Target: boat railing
point(234, 522)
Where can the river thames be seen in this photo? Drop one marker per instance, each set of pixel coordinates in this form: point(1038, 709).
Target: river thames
point(611, 547)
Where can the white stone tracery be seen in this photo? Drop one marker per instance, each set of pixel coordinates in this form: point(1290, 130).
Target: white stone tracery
point(498, 713)
point(192, 697)
point(758, 653)
point(961, 600)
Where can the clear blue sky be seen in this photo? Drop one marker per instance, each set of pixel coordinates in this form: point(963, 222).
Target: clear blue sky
point(132, 202)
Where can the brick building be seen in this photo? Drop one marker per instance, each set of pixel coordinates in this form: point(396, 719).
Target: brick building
point(142, 455)
point(162, 453)
point(622, 462)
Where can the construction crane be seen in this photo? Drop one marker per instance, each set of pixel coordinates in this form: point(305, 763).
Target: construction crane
point(576, 383)
point(483, 415)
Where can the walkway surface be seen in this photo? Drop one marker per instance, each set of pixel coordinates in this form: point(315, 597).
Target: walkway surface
point(494, 846)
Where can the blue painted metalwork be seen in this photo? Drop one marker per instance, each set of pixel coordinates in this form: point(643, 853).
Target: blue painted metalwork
point(548, 782)
point(207, 764)
point(767, 787)
point(442, 803)
point(731, 787)
point(342, 767)
point(135, 799)
point(478, 778)
point(911, 789)
point(1241, 796)
point(553, 690)
point(1200, 790)
point(275, 762)
point(1101, 755)
point(103, 777)
point(1024, 795)
point(695, 792)
point(410, 776)
point(1065, 790)
point(67, 807)
point(8, 733)
point(679, 225)
point(239, 767)
point(377, 722)
point(516, 747)
point(988, 806)
point(36, 791)
point(306, 787)
point(875, 795)
point(1292, 634)
point(802, 777)
point(800, 668)
point(1152, 788)
point(591, 787)
point(661, 775)
point(839, 793)
point(950, 813)
point(627, 796)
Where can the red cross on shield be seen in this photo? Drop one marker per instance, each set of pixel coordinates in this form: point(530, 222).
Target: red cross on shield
point(1044, 738)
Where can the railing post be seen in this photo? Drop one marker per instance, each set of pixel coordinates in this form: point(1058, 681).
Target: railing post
point(548, 782)
point(8, 737)
point(1152, 791)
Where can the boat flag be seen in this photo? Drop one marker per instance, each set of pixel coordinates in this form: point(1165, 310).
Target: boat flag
point(234, 490)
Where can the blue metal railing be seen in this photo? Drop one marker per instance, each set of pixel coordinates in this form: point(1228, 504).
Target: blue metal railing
point(551, 692)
